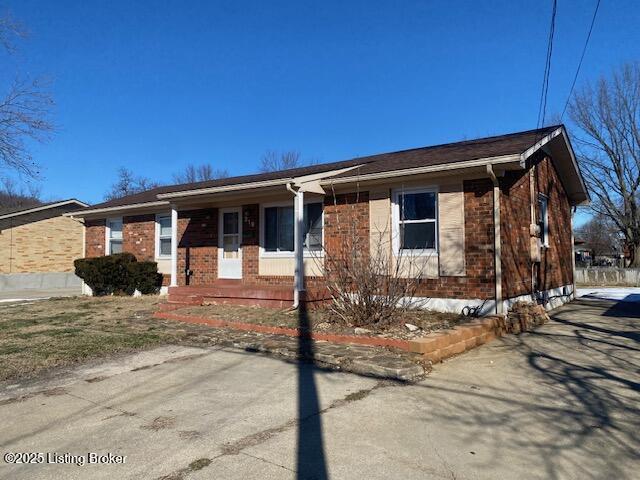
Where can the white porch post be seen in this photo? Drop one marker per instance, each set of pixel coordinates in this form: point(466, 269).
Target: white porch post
point(174, 246)
point(298, 230)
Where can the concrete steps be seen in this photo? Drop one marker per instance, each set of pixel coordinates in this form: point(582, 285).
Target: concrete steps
point(234, 292)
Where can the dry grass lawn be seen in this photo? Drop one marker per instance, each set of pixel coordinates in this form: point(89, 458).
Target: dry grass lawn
point(40, 335)
point(36, 336)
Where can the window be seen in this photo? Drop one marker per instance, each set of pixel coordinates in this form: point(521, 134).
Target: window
point(416, 220)
point(114, 236)
point(163, 235)
point(313, 227)
point(543, 219)
point(279, 227)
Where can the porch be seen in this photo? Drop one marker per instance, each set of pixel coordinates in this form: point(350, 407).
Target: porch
point(237, 292)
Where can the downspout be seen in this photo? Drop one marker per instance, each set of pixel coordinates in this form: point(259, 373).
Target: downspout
point(497, 248)
point(573, 256)
point(298, 212)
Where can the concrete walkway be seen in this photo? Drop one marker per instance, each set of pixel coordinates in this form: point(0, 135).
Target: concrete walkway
point(561, 402)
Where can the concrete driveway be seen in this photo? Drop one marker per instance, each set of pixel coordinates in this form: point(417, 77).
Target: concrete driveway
point(562, 402)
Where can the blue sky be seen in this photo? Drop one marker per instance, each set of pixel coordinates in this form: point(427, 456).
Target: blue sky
point(157, 85)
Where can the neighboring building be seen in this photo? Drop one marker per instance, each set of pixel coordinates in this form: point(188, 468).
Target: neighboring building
point(40, 239)
point(232, 240)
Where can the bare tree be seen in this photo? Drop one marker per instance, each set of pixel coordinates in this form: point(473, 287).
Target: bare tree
point(273, 161)
point(11, 31)
point(608, 118)
point(199, 173)
point(24, 111)
point(12, 197)
point(128, 184)
point(600, 235)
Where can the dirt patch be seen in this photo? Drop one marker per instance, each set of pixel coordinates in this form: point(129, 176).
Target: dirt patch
point(54, 392)
point(189, 434)
point(160, 423)
point(321, 320)
point(199, 464)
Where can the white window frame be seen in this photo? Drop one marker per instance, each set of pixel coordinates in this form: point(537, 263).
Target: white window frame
point(544, 231)
point(158, 237)
point(307, 253)
point(107, 233)
point(396, 221)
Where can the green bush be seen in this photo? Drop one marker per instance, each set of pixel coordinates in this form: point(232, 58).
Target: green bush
point(145, 277)
point(118, 274)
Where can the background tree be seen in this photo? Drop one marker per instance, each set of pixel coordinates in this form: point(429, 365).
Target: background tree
point(272, 161)
point(607, 116)
point(199, 173)
point(128, 184)
point(12, 197)
point(24, 109)
point(600, 235)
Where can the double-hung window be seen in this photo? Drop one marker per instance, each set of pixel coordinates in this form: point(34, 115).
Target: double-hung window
point(279, 228)
point(163, 236)
point(543, 219)
point(416, 220)
point(114, 236)
point(313, 227)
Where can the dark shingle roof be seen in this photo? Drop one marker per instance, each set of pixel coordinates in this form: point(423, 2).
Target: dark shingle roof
point(42, 206)
point(513, 143)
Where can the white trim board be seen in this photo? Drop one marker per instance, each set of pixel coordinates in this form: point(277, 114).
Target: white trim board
point(45, 207)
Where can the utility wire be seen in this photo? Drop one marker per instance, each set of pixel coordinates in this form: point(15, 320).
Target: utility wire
point(584, 50)
point(542, 108)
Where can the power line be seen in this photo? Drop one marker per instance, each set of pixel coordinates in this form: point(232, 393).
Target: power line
point(584, 50)
point(542, 107)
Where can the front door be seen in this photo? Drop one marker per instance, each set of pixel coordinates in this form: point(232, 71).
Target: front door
point(229, 251)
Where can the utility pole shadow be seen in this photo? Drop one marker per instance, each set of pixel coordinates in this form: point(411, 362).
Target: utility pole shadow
point(310, 459)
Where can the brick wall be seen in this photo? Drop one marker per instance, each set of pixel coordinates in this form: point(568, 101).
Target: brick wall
point(138, 236)
point(42, 242)
point(515, 216)
point(556, 266)
point(250, 242)
point(94, 237)
point(198, 246)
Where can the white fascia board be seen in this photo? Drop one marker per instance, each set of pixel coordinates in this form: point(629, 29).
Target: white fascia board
point(44, 207)
point(226, 188)
point(298, 181)
point(546, 139)
point(427, 169)
point(538, 145)
point(109, 210)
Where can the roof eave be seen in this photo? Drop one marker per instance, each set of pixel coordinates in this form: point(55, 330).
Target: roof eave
point(502, 159)
point(116, 209)
point(579, 197)
point(44, 207)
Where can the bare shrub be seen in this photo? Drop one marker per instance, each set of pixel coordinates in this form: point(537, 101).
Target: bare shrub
point(368, 284)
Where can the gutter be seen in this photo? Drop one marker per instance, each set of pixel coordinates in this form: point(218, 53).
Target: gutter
point(497, 248)
point(226, 188)
point(84, 213)
point(432, 168)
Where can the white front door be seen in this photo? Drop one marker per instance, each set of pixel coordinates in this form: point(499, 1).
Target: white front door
point(229, 251)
